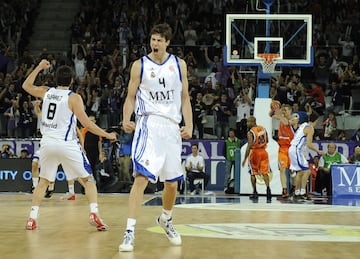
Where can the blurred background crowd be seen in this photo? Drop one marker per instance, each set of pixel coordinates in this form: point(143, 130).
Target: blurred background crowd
point(105, 37)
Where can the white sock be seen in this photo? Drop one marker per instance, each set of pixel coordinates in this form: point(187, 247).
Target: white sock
point(94, 208)
point(71, 189)
point(297, 192)
point(34, 212)
point(166, 214)
point(130, 224)
point(51, 186)
point(35, 181)
point(302, 191)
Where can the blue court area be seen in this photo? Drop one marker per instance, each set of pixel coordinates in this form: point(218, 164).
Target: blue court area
point(216, 199)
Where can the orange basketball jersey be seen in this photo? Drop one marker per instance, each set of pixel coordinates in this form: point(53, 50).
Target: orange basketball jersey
point(260, 137)
point(285, 135)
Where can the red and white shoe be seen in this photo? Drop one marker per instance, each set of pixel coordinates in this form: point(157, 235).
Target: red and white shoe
point(94, 220)
point(68, 196)
point(71, 198)
point(31, 224)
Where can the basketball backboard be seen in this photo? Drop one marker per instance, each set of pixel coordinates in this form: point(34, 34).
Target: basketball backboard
point(248, 36)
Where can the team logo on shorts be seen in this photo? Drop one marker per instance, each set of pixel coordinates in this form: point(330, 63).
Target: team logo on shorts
point(147, 162)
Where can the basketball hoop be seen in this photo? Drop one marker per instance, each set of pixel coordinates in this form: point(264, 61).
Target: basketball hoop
point(268, 62)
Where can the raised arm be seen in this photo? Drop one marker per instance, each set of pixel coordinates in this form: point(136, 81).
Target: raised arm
point(28, 85)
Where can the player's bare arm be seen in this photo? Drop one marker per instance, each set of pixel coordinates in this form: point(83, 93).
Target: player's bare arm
point(28, 85)
point(248, 148)
point(309, 132)
point(186, 130)
point(76, 105)
point(129, 104)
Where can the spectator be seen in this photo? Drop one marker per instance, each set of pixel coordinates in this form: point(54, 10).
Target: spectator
point(314, 167)
point(199, 111)
point(243, 107)
point(348, 48)
point(6, 152)
point(223, 112)
point(105, 172)
point(329, 127)
point(195, 166)
point(356, 135)
point(316, 98)
point(341, 135)
point(125, 140)
point(25, 124)
point(24, 153)
point(92, 146)
point(355, 158)
point(323, 178)
point(230, 145)
point(13, 115)
point(336, 98)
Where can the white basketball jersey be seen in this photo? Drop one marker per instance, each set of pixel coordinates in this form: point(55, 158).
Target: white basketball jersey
point(160, 89)
point(57, 120)
point(299, 140)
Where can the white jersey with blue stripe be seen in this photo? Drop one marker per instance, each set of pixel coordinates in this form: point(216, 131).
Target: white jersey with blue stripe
point(299, 140)
point(57, 120)
point(298, 149)
point(160, 89)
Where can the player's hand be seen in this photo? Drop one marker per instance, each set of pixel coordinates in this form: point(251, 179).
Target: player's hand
point(129, 126)
point(44, 64)
point(321, 152)
point(112, 136)
point(186, 132)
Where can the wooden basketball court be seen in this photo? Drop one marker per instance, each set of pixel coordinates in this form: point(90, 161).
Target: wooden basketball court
point(211, 227)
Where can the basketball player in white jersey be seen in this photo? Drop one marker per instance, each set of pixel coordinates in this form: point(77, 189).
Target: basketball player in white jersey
point(59, 144)
point(158, 93)
point(302, 141)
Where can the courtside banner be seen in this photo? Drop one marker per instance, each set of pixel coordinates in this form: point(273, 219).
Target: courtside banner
point(345, 180)
point(210, 149)
point(15, 176)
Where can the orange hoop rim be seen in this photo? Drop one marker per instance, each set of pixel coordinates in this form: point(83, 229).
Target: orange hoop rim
point(268, 57)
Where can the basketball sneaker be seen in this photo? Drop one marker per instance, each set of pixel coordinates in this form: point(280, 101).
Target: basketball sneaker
point(71, 198)
point(128, 244)
point(268, 194)
point(68, 196)
point(48, 193)
point(285, 193)
point(94, 220)
point(170, 231)
point(254, 196)
point(31, 224)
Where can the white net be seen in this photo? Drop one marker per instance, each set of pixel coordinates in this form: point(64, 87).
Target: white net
point(268, 62)
point(268, 67)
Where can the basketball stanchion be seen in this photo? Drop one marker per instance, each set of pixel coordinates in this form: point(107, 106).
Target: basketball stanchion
point(237, 175)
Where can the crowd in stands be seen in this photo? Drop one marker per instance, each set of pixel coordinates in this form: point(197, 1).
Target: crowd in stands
point(107, 36)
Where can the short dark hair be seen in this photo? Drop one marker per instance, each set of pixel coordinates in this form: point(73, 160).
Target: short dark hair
point(163, 29)
point(64, 76)
point(195, 144)
point(313, 117)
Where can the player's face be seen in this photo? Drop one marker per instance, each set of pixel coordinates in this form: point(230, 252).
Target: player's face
point(287, 111)
point(158, 44)
point(294, 120)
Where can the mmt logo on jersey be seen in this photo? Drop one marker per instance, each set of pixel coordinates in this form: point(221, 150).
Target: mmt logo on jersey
point(161, 96)
point(345, 179)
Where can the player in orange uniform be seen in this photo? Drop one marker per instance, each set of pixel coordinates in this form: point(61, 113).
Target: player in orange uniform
point(259, 158)
point(285, 135)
